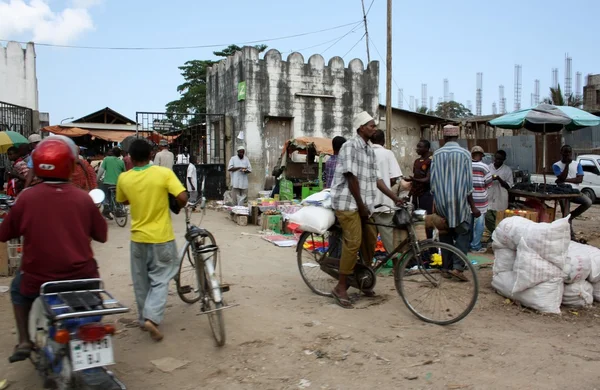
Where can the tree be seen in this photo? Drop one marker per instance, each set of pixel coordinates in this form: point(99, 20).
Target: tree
point(193, 89)
point(452, 110)
point(556, 97)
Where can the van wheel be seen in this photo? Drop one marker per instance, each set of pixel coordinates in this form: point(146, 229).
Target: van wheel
point(590, 194)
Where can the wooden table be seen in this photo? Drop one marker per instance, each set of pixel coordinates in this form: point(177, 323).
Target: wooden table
point(542, 196)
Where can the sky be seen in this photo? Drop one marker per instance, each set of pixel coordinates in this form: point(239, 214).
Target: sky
point(432, 40)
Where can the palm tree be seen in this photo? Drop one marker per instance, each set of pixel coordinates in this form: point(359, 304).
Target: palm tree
point(556, 97)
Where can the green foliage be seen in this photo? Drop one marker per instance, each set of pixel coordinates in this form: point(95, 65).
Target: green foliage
point(452, 110)
point(558, 99)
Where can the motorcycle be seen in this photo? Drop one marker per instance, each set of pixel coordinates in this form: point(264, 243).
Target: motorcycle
point(72, 344)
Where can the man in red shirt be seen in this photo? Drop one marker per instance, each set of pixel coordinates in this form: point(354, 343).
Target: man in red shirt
point(57, 222)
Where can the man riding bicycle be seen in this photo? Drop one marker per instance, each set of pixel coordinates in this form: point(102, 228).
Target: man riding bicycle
point(57, 221)
point(353, 194)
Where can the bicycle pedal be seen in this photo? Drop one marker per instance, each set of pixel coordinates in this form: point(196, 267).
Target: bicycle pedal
point(225, 287)
point(185, 289)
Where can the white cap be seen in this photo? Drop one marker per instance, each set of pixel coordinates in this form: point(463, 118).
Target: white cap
point(33, 138)
point(241, 147)
point(360, 119)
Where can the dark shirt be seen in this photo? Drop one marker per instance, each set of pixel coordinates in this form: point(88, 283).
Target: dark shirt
point(420, 170)
point(57, 223)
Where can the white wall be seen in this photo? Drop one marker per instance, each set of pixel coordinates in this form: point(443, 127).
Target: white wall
point(18, 79)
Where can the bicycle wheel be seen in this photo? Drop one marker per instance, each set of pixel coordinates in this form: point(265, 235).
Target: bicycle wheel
point(212, 306)
point(120, 214)
point(186, 281)
point(313, 248)
point(433, 295)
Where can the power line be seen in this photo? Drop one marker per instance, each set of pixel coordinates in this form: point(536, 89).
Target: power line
point(381, 58)
point(317, 45)
point(188, 47)
point(354, 27)
point(370, 7)
point(361, 38)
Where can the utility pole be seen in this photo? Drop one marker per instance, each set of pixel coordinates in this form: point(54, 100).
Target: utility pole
point(388, 83)
point(366, 32)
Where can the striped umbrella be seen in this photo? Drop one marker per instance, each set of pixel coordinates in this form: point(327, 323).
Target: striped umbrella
point(11, 138)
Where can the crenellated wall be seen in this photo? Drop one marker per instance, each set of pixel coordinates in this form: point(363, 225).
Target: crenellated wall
point(18, 80)
point(318, 99)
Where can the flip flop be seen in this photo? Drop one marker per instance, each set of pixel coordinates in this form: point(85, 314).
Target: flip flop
point(344, 303)
point(459, 275)
point(20, 354)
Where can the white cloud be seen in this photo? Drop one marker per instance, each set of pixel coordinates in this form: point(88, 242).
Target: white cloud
point(36, 19)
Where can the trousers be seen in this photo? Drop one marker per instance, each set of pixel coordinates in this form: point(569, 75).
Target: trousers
point(355, 236)
point(152, 268)
point(460, 237)
point(239, 196)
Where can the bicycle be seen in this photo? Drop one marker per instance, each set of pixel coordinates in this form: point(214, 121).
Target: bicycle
point(118, 210)
point(201, 283)
point(418, 276)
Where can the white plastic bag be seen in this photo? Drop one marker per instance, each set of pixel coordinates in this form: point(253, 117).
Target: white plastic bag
point(313, 219)
point(549, 240)
point(504, 259)
point(532, 269)
point(578, 294)
point(579, 264)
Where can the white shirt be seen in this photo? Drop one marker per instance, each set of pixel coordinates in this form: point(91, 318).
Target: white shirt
point(388, 168)
point(239, 179)
point(183, 159)
point(498, 195)
point(191, 174)
point(164, 158)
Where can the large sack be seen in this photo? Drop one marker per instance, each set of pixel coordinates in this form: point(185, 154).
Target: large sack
point(578, 294)
point(549, 240)
point(504, 259)
point(593, 254)
point(596, 291)
point(532, 269)
point(313, 219)
point(545, 297)
point(579, 263)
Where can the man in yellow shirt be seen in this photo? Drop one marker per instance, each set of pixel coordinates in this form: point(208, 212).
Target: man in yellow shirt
point(154, 261)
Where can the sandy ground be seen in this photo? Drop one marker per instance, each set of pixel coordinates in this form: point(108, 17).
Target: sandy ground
point(279, 324)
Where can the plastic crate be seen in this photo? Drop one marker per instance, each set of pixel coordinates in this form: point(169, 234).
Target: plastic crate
point(15, 251)
point(310, 188)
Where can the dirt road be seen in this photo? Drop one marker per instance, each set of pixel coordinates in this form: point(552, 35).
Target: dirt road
point(284, 337)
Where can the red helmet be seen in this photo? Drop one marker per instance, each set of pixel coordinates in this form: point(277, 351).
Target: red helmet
point(53, 158)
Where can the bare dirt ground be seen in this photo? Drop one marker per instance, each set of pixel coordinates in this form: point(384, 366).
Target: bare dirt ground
point(281, 336)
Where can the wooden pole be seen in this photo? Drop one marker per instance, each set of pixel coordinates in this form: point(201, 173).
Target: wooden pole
point(366, 32)
point(388, 82)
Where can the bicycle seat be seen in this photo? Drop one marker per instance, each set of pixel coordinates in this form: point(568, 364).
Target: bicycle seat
point(195, 232)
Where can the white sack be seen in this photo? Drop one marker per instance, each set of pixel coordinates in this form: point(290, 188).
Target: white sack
point(322, 199)
point(593, 255)
point(579, 263)
point(313, 219)
point(532, 269)
point(578, 294)
point(546, 297)
point(596, 292)
point(504, 259)
point(549, 240)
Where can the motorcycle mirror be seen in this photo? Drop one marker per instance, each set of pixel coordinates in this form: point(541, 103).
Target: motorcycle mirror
point(97, 196)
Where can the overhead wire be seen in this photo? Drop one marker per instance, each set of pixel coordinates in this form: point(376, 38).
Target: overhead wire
point(189, 47)
point(367, 14)
point(354, 27)
point(353, 46)
point(381, 58)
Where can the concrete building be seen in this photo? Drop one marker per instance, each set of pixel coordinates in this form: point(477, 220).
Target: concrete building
point(18, 75)
point(268, 101)
point(408, 128)
point(591, 93)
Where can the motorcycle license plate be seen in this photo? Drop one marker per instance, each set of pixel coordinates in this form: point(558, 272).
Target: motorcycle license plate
point(86, 354)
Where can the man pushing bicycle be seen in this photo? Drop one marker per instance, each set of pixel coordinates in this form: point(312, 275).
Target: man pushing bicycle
point(353, 192)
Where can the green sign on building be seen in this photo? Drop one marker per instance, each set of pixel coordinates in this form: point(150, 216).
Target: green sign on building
point(241, 91)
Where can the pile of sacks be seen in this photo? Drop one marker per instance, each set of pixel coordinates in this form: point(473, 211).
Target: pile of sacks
point(538, 265)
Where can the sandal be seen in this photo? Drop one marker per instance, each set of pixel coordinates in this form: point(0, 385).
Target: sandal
point(20, 354)
point(458, 275)
point(369, 293)
point(342, 302)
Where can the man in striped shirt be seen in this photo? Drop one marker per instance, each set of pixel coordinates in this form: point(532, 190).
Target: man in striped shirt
point(452, 188)
point(482, 181)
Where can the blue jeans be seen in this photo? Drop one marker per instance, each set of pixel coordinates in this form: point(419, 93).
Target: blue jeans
point(152, 268)
point(478, 227)
point(458, 237)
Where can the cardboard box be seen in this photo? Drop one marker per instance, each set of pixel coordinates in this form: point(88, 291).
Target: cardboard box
point(271, 222)
point(531, 215)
